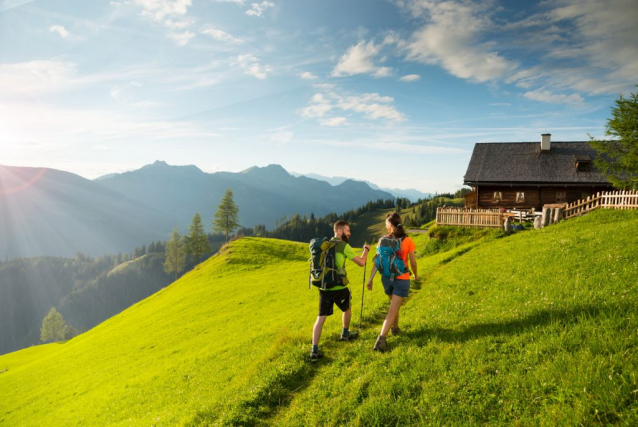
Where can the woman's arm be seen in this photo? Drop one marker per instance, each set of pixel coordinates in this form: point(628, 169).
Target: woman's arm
point(413, 265)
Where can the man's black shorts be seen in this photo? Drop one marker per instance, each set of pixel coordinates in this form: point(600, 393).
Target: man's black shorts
point(340, 297)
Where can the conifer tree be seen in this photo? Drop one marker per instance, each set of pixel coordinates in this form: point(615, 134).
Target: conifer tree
point(53, 326)
point(227, 215)
point(197, 241)
point(175, 259)
point(618, 157)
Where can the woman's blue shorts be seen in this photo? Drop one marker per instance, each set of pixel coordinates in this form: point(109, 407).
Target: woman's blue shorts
point(398, 287)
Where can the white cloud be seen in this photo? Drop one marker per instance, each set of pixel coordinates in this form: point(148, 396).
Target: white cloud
point(182, 38)
point(319, 107)
point(551, 98)
point(126, 95)
point(410, 78)
point(308, 76)
point(371, 105)
point(450, 38)
point(333, 121)
point(37, 78)
point(282, 137)
point(172, 15)
point(28, 122)
point(220, 35)
point(159, 9)
point(239, 2)
point(584, 46)
point(251, 66)
point(179, 24)
point(257, 9)
point(359, 60)
point(60, 30)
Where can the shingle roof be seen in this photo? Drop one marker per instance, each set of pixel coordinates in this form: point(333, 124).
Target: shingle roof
point(523, 162)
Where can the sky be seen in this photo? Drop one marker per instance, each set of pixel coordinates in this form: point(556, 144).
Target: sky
point(395, 92)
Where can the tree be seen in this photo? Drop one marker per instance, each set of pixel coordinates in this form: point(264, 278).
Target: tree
point(197, 241)
point(618, 157)
point(175, 259)
point(53, 327)
point(227, 215)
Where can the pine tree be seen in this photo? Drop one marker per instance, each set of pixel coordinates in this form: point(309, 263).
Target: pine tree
point(175, 259)
point(197, 241)
point(53, 326)
point(227, 215)
point(618, 158)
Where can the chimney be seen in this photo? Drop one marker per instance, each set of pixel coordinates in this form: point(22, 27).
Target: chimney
point(546, 141)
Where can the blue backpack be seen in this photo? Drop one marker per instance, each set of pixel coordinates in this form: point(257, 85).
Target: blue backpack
point(386, 261)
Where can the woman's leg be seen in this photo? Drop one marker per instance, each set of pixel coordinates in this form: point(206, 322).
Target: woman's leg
point(396, 322)
point(393, 315)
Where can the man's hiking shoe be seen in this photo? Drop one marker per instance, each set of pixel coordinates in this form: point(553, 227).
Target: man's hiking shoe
point(351, 336)
point(381, 345)
point(315, 356)
point(395, 331)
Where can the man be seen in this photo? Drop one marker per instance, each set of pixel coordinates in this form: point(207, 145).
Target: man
point(339, 295)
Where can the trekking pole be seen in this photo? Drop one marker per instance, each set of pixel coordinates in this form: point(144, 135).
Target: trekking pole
point(363, 286)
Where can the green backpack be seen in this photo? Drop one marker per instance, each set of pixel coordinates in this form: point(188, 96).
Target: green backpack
point(323, 263)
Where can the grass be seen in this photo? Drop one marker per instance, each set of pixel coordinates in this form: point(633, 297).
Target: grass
point(537, 328)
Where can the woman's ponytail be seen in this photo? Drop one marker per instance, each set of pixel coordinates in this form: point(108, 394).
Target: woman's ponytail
point(395, 220)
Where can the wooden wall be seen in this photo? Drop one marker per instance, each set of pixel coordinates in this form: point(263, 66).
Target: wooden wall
point(535, 197)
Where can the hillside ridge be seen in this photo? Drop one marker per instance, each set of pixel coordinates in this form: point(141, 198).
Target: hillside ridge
point(493, 321)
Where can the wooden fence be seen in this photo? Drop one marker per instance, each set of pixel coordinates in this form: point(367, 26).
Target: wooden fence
point(605, 200)
point(482, 218)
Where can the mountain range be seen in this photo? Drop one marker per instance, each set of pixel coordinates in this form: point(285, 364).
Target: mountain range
point(50, 212)
point(410, 193)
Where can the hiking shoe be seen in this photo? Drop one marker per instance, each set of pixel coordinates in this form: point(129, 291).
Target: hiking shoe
point(315, 356)
point(381, 345)
point(351, 336)
point(395, 331)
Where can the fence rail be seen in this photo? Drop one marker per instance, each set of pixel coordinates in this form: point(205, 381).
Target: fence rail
point(482, 218)
point(605, 200)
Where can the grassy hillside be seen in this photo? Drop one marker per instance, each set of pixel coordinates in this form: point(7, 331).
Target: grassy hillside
point(204, 345)
point(534, 328)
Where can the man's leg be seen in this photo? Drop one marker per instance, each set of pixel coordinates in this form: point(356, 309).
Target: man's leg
point(345, 319)
point(316, 330)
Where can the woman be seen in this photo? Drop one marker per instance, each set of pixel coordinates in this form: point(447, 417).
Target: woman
point(398, 288)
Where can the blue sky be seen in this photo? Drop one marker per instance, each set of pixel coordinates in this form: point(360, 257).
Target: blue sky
point(394, 92)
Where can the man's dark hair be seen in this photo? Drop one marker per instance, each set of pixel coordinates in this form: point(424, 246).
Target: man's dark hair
point(340, 224)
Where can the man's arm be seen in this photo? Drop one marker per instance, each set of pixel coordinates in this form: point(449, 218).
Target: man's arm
point(361, 260)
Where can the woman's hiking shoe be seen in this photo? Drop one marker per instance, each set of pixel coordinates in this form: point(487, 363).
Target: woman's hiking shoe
point(381, 345)
point(395, 331)
point(350, 337)
point(315, 356)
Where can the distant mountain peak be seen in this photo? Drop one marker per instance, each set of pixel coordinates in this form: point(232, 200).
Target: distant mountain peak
point(161, 166)
point(270, 170)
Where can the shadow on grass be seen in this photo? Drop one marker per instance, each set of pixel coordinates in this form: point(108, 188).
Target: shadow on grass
point(270, 391)
point(422, 335)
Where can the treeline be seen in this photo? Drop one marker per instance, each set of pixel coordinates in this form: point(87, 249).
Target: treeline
point(302, 228)
point(85, 290)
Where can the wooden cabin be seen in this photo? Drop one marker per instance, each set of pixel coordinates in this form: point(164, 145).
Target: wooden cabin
point(529, 175)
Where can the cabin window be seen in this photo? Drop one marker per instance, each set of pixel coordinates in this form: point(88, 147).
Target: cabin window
point(583, 166)
point(561, 196)
point(498, 196)
point(520, 197)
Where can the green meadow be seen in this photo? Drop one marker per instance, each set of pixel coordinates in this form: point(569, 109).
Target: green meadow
point(534, 328)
